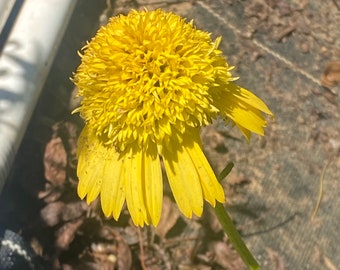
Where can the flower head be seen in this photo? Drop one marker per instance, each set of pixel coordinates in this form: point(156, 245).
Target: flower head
point(149, 81)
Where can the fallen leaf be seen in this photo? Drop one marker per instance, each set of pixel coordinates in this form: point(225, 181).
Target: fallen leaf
point(55, 160)
point(66, 234)
point(331, 74)
point(51, 213)
point(225, 256)
point(49, 194)
point(170, 214)
point(74, 210)
point(123, 256)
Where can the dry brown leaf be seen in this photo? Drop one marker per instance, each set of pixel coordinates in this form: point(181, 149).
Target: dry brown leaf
point(203, 267)
point(55, 160)
point(123, 252)
point(49, 194)
point(225, 256)
point(69, 134)
point(170, 214)
point(66, 234)
point(331, 74)
point(51, 213)
point(74, 210)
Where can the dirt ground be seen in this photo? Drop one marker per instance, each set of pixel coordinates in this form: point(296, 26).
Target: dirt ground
point(284, 51)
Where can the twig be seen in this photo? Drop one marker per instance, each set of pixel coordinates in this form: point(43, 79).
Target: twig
point(320, 189)
point(141, 248)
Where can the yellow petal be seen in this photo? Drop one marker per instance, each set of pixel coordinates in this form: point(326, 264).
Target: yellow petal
point(90, 166)
point(84, 153)
point(183, 179)
point(153, 185)
point(134, 188)
point(212, 189)
point(248, 118)
point(244, 131)
point(241, 112)
point(249, 98)
point(112, 193)
point(241, 106)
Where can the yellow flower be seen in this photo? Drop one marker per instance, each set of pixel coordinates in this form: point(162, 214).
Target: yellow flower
point(149, 81)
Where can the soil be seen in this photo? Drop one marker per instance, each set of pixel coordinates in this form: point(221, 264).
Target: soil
point(281, 50)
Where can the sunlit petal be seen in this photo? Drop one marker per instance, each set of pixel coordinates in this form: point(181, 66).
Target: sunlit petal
point(112, 193)
point(148, 81)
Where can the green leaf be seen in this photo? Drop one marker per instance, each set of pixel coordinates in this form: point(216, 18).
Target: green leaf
point(227, 169)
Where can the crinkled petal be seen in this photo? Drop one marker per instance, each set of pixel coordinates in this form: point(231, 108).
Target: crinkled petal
point(243, 108)
point(249, 98)
point(244, 131)
point(248, 118)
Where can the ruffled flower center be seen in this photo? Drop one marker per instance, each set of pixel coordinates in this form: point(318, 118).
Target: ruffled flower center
point(147, 76)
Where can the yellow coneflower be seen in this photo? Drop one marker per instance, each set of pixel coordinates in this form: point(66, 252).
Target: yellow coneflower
point(149, 80)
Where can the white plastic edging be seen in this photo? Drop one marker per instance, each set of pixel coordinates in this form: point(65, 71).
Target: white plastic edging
point(5, 10)
point(24, 65)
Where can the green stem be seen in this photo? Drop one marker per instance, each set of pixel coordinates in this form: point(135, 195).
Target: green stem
point(235, 238)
